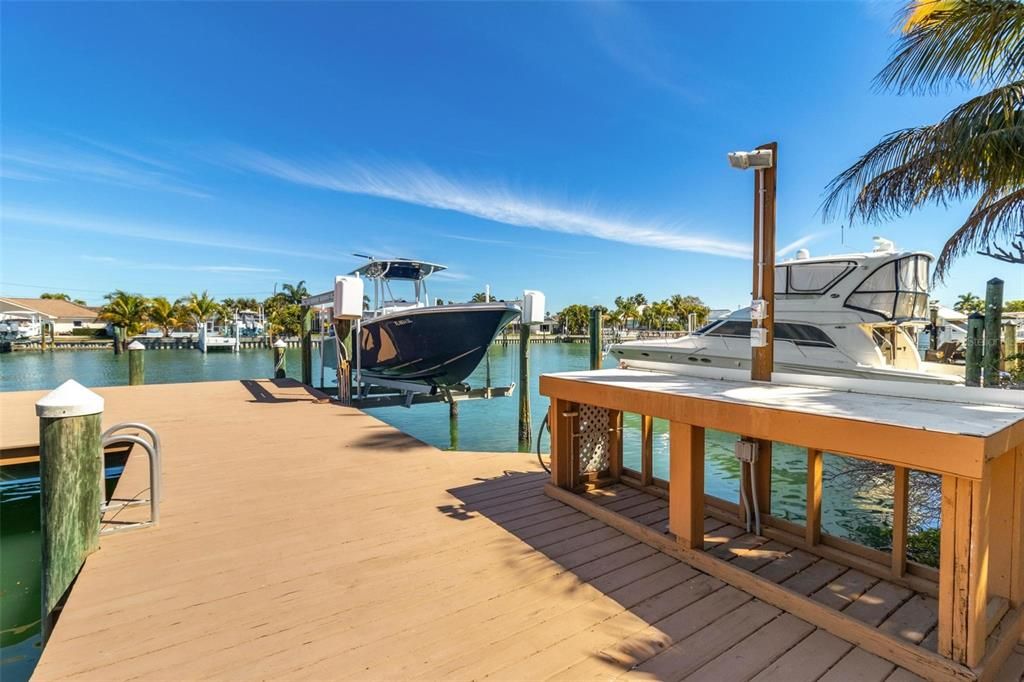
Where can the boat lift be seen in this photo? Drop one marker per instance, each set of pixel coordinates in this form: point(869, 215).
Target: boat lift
point(342, 309)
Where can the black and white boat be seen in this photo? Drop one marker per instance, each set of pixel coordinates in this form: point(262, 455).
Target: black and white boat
point(410, 341)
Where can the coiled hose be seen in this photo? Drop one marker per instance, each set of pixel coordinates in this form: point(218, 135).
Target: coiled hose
point(540, 433)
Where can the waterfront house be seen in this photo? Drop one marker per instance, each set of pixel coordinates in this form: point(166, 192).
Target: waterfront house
point(64, 315)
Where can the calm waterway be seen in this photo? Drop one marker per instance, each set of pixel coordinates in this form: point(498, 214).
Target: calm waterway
point(483, 425)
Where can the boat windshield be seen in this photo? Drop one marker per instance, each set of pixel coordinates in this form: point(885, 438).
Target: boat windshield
point(896, 291)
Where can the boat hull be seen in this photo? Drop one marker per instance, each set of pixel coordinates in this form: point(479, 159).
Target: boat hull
point(436, 346)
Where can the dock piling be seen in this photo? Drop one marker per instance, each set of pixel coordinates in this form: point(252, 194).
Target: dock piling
point(993, 320)
point(975, 336)
point(280, 368)
point(1009, 346)
point(136, 364)
point(307, 346)
point(596, 341)
point(525, 425)
point(71, 482)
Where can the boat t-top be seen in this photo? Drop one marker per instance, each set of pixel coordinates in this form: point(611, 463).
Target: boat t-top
point(410, 340)
point(849, 315)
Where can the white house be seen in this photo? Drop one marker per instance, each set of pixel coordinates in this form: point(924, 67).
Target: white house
point(65, 315)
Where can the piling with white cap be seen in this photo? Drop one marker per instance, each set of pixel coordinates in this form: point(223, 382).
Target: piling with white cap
point(136, 364)
point(71, 481)
point(280, 370)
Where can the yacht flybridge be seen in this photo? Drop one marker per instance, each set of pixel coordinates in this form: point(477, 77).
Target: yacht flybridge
point(849, 315)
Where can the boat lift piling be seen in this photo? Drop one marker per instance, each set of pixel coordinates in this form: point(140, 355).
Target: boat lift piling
point(993, 319)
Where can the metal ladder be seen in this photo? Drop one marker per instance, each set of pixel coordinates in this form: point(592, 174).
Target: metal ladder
point(113, 436)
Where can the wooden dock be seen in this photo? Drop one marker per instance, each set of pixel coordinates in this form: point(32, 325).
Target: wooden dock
point(304, 540)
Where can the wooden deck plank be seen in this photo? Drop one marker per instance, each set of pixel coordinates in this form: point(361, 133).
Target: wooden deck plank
point(814, 577)
point(845, 589)
point(877, 603)
point(859, 666)
point(756, 652)
point(808, 660)
point(913, 620)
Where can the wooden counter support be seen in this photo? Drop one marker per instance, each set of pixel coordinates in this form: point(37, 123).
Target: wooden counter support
point(978, 452)
point(646, 450)
point(686, 509)
point(814, 470)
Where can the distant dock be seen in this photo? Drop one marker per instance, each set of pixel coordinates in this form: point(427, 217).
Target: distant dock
point(301, 539)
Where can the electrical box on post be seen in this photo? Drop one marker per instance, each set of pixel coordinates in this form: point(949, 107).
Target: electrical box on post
point(758, 337)
point(348, 298)
point(758, 309)
point(746, 450)
point(533, 307)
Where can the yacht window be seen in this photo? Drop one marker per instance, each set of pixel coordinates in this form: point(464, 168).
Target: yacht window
point(802, 335)
point(739, 328)
point(814, 278)
point(896, 291)
point(706, 328)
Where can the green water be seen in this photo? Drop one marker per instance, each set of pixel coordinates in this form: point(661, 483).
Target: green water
point(483, 425)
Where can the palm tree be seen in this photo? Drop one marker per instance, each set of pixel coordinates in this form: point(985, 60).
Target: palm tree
point(126, 311)
point(969, 303)
point(294, 293)
point(201, 307)
point(163, 314)
point(972, 153)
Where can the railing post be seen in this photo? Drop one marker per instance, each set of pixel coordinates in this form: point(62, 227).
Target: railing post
point(901, 489)
point(686, 494)
point(646, 449)
point(136, 364)
point(814, 472)
point(71, 481)
point(280, 367)
point(525, 424)
point(615, 444)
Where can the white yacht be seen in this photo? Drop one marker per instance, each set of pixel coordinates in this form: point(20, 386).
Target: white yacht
point(850, 315)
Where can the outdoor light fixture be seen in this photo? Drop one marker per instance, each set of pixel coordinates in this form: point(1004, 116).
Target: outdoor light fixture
point(759, 158)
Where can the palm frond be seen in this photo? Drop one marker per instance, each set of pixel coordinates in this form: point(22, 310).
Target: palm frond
point(966, 42)
point(976, 147)
point(996, 215)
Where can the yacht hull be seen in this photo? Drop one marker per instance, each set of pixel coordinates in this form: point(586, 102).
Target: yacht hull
point(677, 359)
point(436, 346)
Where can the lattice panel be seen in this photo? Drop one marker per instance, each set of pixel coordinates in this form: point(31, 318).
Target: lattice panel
point(594, 438)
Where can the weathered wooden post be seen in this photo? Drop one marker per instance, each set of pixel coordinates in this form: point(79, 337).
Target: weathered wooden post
point(280, 367)
point(136, 364)
point(343, 333)
point(117, 340)
point(453, 424)
point(71, 481)
point(1009, 346)
point(993, 320)
point(525, 425)
point(307, 346)
point(975, 334)
point(596, 341)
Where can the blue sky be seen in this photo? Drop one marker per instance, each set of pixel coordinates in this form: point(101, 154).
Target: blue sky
point(573, 148)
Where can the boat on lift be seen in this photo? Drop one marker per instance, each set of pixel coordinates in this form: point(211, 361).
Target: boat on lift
point(410, 341)
point(851, 315)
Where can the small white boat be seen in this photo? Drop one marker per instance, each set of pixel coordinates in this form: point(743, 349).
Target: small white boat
point(851, 315)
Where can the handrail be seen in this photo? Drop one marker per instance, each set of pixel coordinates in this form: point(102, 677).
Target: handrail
point(152, 447)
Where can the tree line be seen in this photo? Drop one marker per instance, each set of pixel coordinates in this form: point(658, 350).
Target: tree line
point(133, 313)
point(670, 314)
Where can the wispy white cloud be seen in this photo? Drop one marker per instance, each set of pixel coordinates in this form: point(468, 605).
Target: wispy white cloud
point(420, 185)
point(517, 245)
point(103, 163)
point(153, 231)
point(797, 243)
point(132, 265)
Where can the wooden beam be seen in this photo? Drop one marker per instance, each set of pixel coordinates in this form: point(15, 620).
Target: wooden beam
point(646, 449)
point(947, 566)
point(901, 484)
point(563, 474)
point(686, 498)
point(814, 471)
point(977, 597)
point(615, 444)
point(763, 358)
